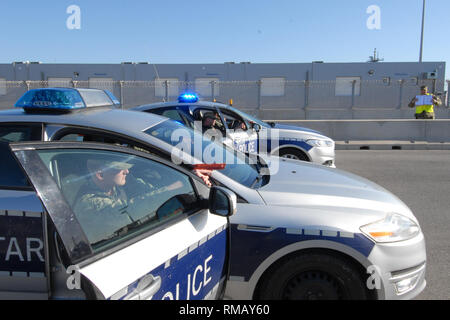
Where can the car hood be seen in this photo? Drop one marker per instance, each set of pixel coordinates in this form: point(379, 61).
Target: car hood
point(301, 184)
point(296, 128)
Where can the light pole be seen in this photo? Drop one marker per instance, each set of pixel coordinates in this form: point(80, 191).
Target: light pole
point(423, 26)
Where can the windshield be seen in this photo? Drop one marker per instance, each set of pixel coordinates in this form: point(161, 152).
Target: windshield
point(239, 167)
point(251, 118)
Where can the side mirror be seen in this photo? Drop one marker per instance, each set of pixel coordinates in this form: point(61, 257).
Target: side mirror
point(222, 201)
point(256, 127)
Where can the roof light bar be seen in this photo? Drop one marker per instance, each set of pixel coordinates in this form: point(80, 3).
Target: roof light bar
point(188, 97)
point(65, 99)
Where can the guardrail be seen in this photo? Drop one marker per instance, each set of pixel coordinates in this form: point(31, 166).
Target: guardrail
point(410, 131)
point(274, 99)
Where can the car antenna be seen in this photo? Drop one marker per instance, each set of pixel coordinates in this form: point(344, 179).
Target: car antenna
point(157, 74)
point(156, 71)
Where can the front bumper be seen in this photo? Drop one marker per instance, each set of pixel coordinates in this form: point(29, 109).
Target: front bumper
point(323, 155)
point(401, 267)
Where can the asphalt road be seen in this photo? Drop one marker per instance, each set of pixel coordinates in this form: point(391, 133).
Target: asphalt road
point(421, 179)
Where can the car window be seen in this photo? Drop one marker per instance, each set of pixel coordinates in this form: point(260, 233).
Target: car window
point(239, 167)
point(11, 175)
point(72, 137)
point(251, 118)
point(86, 135)
point(201, 114)
point(233, 120)
point(116, 196)
point(169, 113)
point(82, 135)
point(16, 133)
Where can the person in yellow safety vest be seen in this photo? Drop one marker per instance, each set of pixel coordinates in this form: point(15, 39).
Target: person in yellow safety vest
point(425, 111)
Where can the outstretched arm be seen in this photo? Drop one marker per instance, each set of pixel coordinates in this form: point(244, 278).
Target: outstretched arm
point(204, 174)
point(412, 104)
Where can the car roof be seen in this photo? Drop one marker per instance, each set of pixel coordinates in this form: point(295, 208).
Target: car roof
point(200, 103)
point(111, 119)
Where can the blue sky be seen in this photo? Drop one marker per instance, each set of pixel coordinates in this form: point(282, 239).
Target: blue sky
point(211, 31)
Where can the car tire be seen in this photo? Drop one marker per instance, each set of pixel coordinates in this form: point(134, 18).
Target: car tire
point(292, 153)
point(313, 276)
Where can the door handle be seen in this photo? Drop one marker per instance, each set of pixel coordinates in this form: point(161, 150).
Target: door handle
point(146, 288)
point(151, 289)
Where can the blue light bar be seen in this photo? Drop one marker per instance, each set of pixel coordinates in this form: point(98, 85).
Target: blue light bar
point(188, 97)
point(65, 99)
point(51, 98)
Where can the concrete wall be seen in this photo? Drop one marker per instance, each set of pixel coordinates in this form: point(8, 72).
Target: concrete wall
point(432, 131)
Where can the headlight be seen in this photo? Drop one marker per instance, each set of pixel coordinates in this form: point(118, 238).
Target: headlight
point(392, 228)
point(320, 143)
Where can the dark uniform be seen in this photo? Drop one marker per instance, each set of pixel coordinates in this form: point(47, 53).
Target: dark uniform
point(103, 214)
point(97, 200)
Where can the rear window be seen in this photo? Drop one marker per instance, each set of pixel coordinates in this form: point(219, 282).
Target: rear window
point(169, 113)
point(16, 133)
point(11, 174)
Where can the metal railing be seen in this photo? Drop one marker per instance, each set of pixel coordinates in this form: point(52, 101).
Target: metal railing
point(284, 99)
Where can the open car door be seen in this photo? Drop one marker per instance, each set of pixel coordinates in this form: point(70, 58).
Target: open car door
point(147, 236)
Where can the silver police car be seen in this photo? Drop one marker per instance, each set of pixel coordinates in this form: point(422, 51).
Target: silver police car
point(247, 133)
point(300, 231)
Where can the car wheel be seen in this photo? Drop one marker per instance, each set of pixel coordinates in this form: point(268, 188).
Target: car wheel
point(313, 276)
point(295, 154)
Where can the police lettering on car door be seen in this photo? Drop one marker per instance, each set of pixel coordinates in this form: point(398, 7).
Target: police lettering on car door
point(21, 243)
point(195, 273)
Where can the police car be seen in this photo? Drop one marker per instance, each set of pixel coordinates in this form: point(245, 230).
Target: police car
point(247, 133)
point(299, 231)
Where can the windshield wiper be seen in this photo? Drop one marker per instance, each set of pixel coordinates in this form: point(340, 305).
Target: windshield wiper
point(258, 179)
point(259, 165)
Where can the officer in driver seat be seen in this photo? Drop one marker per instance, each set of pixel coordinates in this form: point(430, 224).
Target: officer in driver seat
point(103, 189)
point(210, 126)
point(104, 195)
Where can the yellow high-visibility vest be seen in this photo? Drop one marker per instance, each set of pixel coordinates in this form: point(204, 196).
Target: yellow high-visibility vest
point(426, 107)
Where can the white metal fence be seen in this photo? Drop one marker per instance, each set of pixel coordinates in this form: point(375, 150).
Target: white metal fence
point(268, 99)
